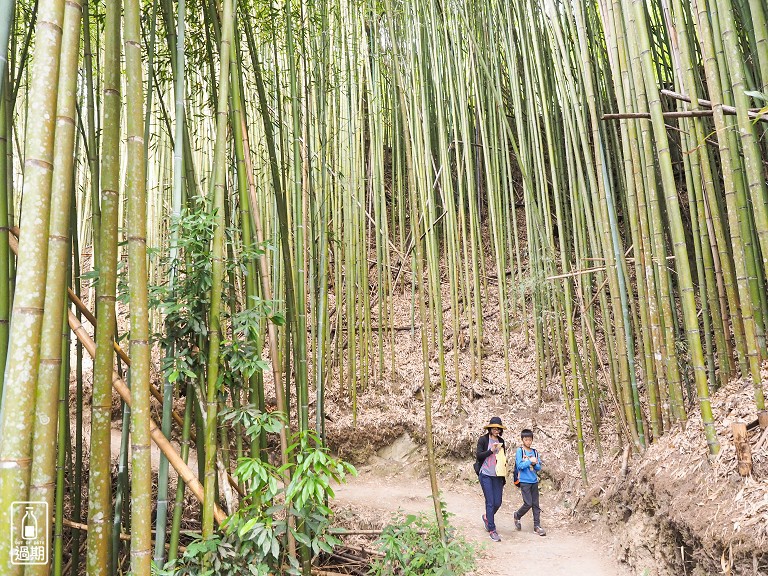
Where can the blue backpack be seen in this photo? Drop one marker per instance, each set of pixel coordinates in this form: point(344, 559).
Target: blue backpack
point(515, 471)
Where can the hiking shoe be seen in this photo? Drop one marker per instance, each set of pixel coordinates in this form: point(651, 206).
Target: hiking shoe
point(539, 530)
point(485, 523)
point(494, 536)
point(518, 525)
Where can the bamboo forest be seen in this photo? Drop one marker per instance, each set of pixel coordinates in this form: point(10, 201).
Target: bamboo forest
point(247, 248)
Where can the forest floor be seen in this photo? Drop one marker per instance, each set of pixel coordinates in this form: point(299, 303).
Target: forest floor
point(571, 547)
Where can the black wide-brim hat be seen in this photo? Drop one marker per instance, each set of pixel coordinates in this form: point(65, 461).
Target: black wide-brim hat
point(495, 423)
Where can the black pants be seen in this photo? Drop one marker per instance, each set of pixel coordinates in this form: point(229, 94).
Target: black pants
point(530, 500)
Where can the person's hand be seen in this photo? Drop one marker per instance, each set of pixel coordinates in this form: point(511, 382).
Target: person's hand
point(534, 460)
point(495, 448)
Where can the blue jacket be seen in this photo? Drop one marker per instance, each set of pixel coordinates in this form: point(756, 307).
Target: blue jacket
point(527, 473)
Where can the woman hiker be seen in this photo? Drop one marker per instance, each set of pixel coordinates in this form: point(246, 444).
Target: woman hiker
point(491, 467)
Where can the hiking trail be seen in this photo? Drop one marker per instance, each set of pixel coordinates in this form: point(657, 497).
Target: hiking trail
point(571, 547)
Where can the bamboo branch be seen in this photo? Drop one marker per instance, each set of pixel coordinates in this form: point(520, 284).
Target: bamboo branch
point(727, 110)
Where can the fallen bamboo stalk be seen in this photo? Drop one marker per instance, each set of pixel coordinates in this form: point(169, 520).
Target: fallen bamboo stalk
point(123, 535)
point(364, 550)
point(158, 437)
point(365, 532)
point(80, 305)
point(647, 116)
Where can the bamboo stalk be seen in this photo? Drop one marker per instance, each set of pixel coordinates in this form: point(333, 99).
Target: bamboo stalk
point(16, 416)
point(43, 480)
point(99, 485)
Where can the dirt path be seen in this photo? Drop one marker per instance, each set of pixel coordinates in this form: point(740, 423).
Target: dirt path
point(569, 548)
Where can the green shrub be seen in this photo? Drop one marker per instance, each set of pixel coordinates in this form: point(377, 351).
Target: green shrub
point(253, 540)
point(411, 545)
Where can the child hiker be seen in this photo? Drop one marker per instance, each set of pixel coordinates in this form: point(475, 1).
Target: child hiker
point(528, 463)
point(491, 468)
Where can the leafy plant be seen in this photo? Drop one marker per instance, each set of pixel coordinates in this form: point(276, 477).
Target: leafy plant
point(185, 303)
point(242, 352)
point(226, 554)
point(254, 539)
point(411, 545)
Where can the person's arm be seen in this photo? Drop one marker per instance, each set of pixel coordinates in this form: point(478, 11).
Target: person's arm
point(537, 467)
point(482, 449)
point(522, 461)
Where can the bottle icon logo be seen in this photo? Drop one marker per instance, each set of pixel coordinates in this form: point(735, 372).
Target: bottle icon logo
point(30, 533)
point(29, 525)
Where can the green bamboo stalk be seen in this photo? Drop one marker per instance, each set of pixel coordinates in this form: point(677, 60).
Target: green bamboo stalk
point(63, 447)
point(99, 483)
point(282, 218)
point(217, 270)
point(43, 480)
point(693, 185)
point(758, 20)
point(298, 280)
point(17, 411)
point(416, 232)
point(77, 483)
point(136, 232)
point(122, 498)
point(6, 193)
point(178, 505)
point(250, 280)
point(161, 521)
point(93, 131)
point(6, 24)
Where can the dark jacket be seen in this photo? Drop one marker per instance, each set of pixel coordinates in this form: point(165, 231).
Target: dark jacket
point(483, 452)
